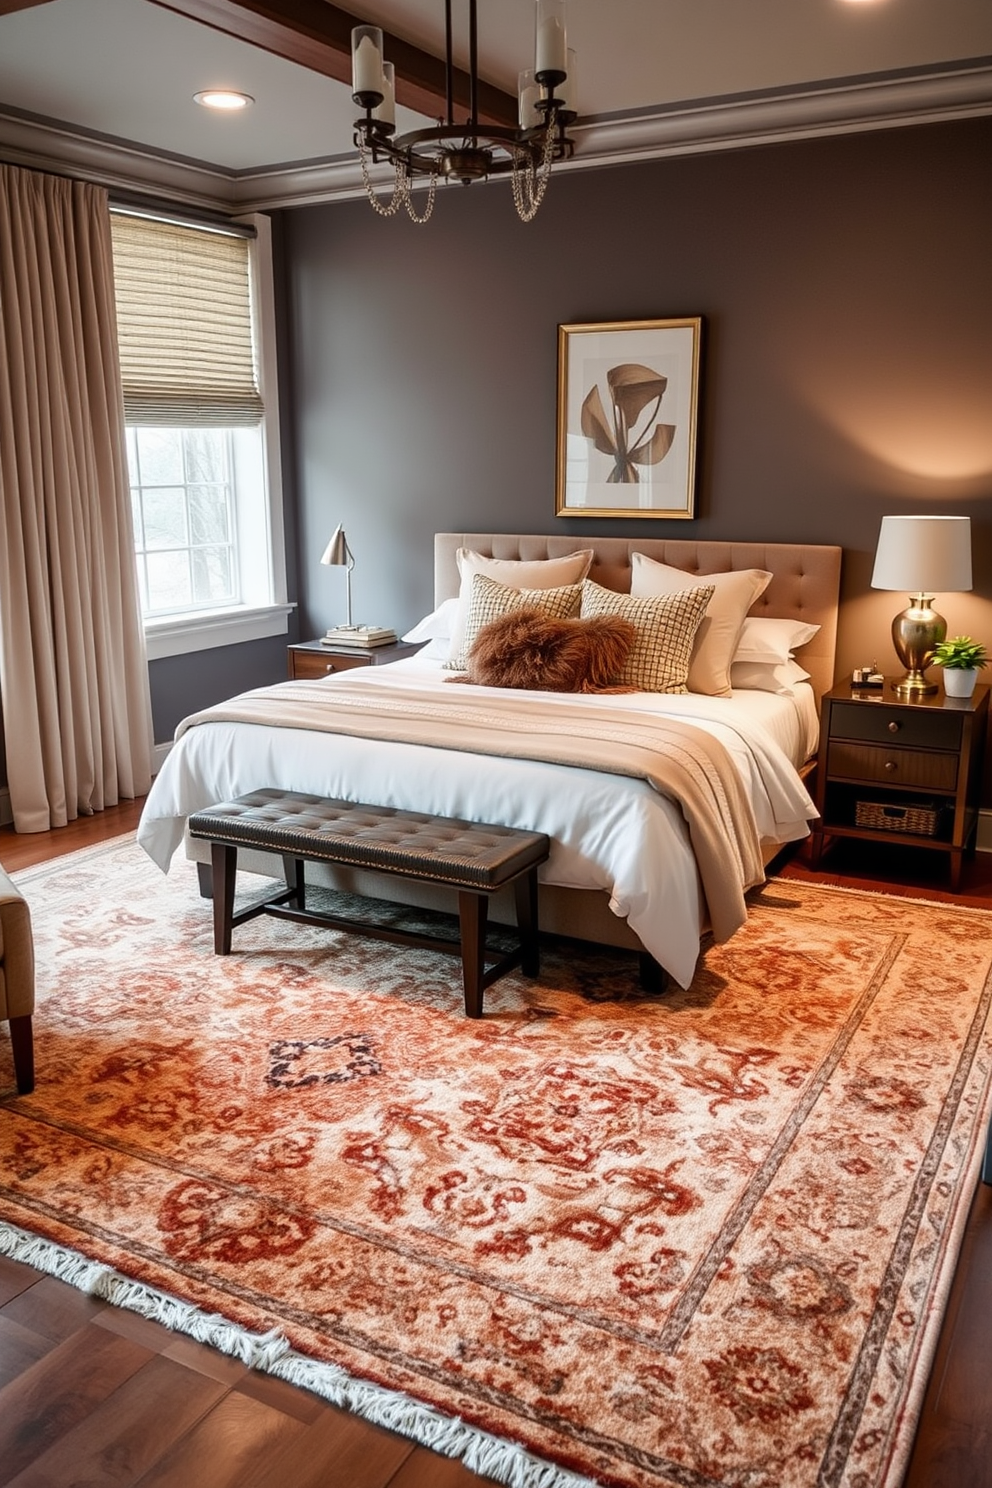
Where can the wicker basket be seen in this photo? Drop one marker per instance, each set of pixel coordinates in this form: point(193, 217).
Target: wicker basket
point(885, 816)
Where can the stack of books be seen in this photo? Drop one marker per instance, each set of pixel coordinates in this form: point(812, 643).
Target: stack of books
point(358, 635)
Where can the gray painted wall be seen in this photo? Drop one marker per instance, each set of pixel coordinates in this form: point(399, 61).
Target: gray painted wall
point(847, 366)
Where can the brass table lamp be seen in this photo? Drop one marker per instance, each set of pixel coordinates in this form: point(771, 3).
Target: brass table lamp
point(921, 556)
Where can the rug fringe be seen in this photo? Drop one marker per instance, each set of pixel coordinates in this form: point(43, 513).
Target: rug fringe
point(270, 1353)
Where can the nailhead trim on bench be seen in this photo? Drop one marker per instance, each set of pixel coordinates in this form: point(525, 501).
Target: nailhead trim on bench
point(440, 849)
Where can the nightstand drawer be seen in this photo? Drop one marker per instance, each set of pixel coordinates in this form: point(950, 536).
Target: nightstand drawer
point(308, 664)
point(907, 727)
point(894, 766)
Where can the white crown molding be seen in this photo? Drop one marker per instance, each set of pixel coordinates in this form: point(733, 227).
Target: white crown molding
point(50, 145)
point(838, 108)
point(835, 108)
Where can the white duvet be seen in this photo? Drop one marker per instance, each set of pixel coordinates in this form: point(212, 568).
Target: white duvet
point(608, 832)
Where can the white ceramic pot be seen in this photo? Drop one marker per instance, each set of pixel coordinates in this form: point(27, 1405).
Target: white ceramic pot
point(959, 681)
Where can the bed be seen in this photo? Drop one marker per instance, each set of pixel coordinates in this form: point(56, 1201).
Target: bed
point(622, 869)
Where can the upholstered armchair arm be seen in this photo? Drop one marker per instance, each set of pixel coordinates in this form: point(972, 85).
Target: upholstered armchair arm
point(17, 980)
point(16, 953)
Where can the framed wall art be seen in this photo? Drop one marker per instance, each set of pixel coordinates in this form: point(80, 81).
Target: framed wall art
point(627, 405)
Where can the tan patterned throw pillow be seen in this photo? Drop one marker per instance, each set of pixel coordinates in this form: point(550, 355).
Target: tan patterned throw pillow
point(490, 601)
point(716, 639)
point(666, 628)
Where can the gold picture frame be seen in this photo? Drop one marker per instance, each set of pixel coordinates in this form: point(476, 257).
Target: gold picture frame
point(628, 394)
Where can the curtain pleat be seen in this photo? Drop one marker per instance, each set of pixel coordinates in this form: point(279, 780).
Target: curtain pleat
point(73, 672)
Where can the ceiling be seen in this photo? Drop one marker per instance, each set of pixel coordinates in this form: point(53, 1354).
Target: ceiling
point(105, 87)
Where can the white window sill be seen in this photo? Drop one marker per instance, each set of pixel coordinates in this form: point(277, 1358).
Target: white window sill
point(182, 633)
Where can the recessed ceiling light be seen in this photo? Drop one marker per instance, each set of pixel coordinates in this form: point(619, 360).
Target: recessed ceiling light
point(223, 98)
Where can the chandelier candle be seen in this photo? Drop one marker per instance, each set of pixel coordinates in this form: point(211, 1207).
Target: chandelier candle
point(386, 112)
point(528, 92)
point(550, 49)
point(366, 66)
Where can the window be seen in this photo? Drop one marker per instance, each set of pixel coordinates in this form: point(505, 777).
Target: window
point(195, 330)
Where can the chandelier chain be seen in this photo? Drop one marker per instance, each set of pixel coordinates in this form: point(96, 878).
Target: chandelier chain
point(429, 207)
point(400, 186)
point(530, 182)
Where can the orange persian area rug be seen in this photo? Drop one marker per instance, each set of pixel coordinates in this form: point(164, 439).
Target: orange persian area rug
point(698, 1239)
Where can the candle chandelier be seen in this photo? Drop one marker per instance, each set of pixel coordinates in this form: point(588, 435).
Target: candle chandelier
point(467, 151)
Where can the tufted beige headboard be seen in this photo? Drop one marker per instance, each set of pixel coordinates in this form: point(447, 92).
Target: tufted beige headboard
point(806, 582)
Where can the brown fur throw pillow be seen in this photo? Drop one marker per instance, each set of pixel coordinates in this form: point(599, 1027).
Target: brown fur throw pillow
point(531, 650)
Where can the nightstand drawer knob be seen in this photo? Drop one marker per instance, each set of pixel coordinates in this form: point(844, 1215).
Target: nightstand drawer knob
point(894, 727)
point(891, 765)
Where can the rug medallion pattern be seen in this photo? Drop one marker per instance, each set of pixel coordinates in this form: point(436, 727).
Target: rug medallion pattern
point(698, 1239)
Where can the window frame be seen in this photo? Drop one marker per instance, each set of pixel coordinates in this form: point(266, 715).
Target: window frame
point(202, 629)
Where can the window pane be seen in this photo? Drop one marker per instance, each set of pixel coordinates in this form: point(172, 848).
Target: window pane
point(212, 578)
point(165, 517)
point(160, 457)
point(169, 586)
point(206, 455)
point(208, 514)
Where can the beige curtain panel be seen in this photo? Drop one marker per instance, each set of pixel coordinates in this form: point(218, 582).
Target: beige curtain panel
point(73, 672)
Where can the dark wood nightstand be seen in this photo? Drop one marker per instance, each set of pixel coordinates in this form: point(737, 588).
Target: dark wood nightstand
point(314, 659)
point(890, 770)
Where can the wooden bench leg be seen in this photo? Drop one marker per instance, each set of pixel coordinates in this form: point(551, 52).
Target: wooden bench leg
point(294, 872)
point(22, 1045)
point(224, 864)
point(472, 916)
point(205, 880)
point(525, 896)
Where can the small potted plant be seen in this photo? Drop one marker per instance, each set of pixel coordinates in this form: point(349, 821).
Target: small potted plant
point(962, 659)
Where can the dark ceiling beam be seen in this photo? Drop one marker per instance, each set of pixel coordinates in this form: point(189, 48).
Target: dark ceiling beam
point(7, 7)
point(317, 35)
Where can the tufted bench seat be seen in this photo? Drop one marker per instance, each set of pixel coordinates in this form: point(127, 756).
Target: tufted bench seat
point(471, 857)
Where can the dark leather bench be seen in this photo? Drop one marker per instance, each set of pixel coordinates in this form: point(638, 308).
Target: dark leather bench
point(473, 858)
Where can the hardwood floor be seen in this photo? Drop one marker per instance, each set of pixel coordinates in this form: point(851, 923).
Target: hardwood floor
point(93, 1395)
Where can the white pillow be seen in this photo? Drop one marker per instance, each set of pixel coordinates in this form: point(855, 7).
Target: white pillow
point(512, 573)
point(437, 626)
point(716, 639)
point(435, 650)
point(767, 676)
point(763, 639)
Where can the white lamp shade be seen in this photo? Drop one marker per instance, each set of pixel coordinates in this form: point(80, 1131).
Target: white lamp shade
point(923, 555)
point(336, 553)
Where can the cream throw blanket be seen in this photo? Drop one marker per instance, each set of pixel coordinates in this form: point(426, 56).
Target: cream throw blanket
point(680, 761)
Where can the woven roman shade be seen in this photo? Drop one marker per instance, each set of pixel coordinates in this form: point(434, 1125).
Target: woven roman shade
point(184, 325)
